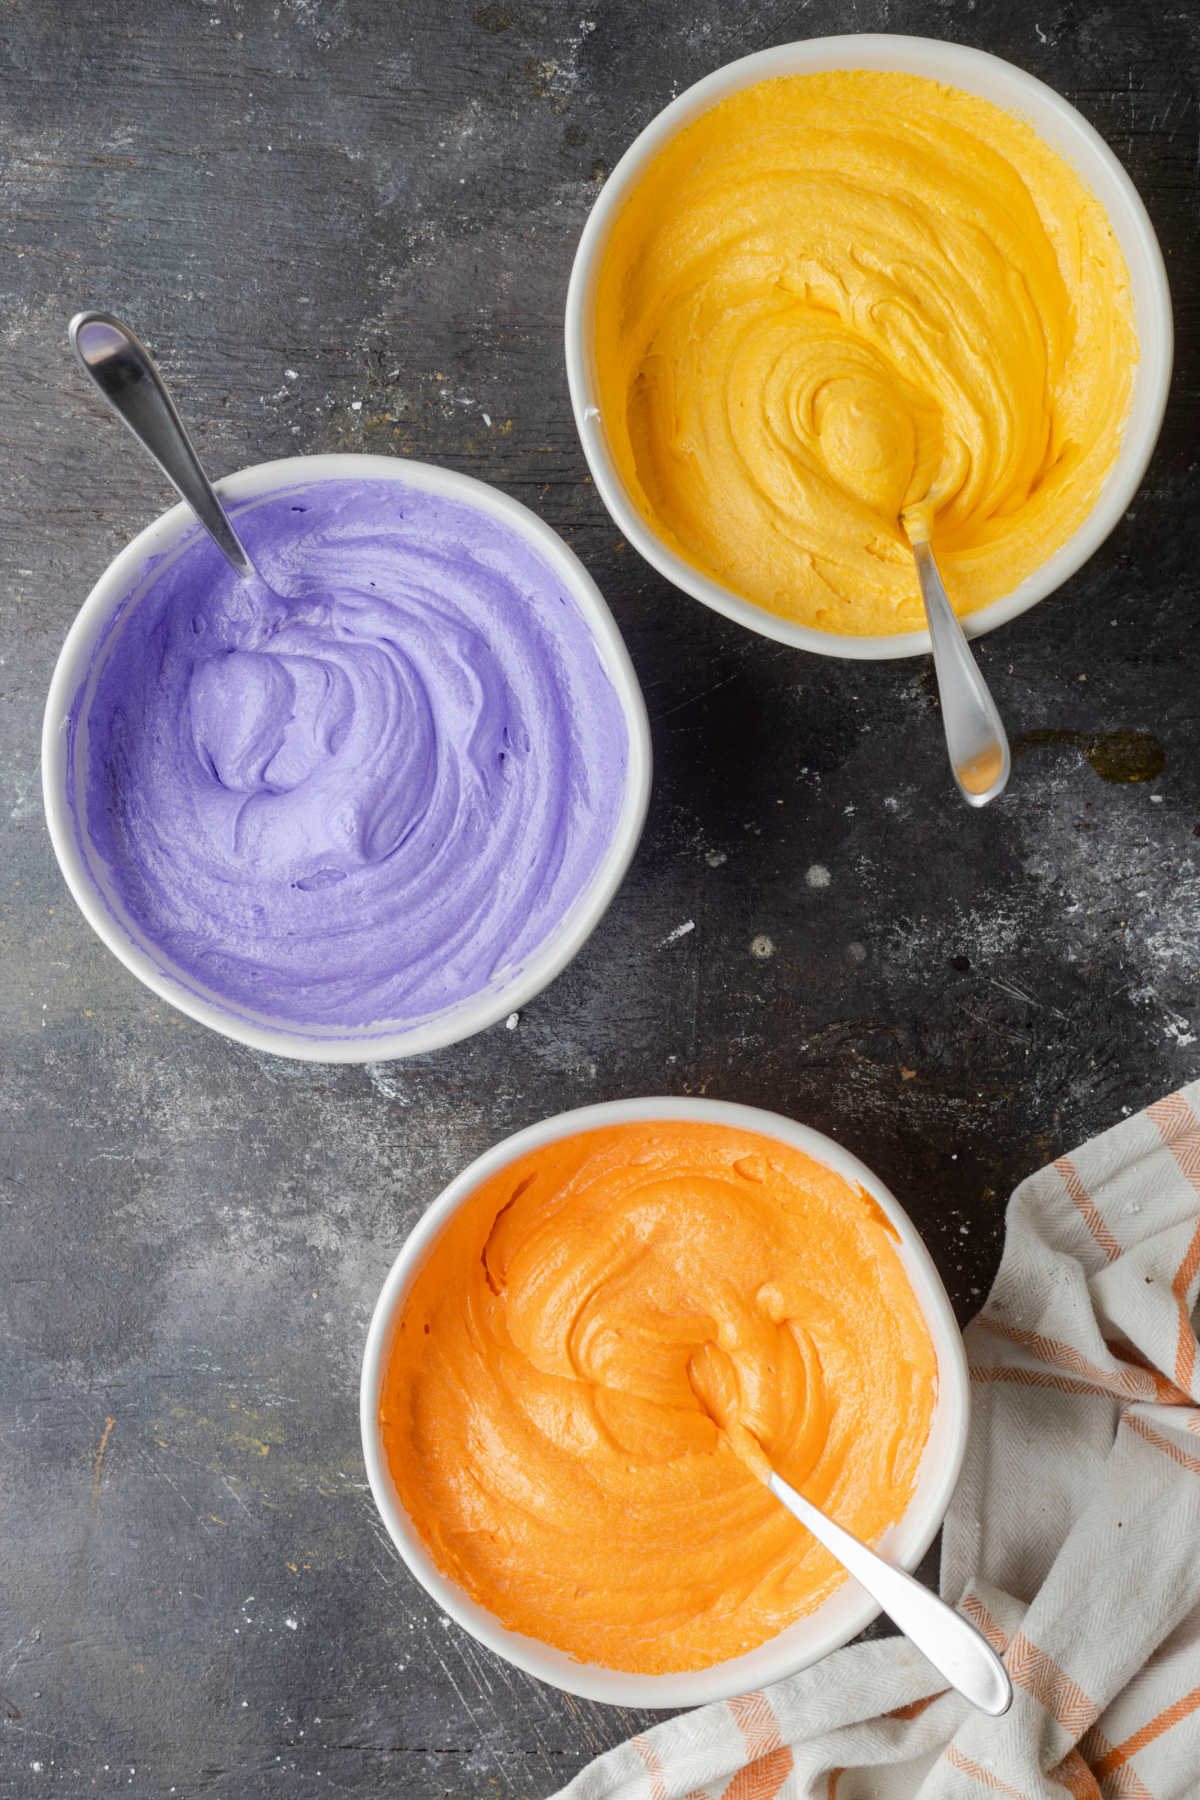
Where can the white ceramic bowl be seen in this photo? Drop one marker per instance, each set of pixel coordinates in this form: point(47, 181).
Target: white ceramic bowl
point(322, 1044)
point(846, 1611)
point(1060, 126)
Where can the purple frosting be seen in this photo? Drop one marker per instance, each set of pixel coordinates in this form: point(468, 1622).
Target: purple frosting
point(365, 805)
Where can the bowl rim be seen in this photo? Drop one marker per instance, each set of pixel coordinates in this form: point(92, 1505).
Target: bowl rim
point(122, 576)
point(975, 71)
point(914, 1532)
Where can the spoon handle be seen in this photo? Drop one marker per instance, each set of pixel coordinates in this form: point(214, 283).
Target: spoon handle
point(975, 737)
point(954, 1647)
point(122, 369)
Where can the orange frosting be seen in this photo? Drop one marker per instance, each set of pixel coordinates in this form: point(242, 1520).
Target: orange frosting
point(596, 1343)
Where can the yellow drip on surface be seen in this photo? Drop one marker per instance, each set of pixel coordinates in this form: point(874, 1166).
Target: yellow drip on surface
point(834, 297)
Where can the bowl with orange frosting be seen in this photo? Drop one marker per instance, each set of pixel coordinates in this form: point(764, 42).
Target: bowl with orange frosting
point(854, 278)
point(573, 1350)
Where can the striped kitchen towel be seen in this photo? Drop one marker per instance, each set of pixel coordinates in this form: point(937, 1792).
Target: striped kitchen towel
point(1073, 1539)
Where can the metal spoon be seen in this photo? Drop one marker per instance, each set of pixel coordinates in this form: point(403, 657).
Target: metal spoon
point(121, 367)
point(976, 739)
point(950, 1642)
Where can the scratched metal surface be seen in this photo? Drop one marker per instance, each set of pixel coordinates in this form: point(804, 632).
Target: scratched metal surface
point(349, 225)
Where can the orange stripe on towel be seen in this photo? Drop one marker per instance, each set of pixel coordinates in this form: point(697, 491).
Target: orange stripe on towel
point(1123, 1783)
point(770, 1761)
point(1120, 1754)
point(1042, 1378)
point(915, 1708)
point(1073, 1774)
point(653, 1768)
point(1165, 1392)
point(965, 1766)
point(1086, 1207)
point(1164, 1444)
point(757, 1723)
point(1052, 1687)
point(1185, 1355)
point(1173, 1117)
point(982, 1619)
point(1180, 1132)
point(1136, 1383)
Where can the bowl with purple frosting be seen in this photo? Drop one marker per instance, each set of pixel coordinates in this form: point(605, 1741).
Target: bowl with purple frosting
point(375, 819)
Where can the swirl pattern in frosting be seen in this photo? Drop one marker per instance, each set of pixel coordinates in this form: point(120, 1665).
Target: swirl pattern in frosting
point(593, 1340)
point(834, 298)
point(373, 801)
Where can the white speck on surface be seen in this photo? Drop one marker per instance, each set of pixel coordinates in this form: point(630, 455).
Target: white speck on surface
point(1176, 1026)
point(715, 858)
point(762, 946)
point(512, 1021)
point(356, 406)
point(818, 876)
point(856, 952)
point(291, 375)
point(292, 1624)
point(386, 1085)
point(673, 937)
point(487, 418)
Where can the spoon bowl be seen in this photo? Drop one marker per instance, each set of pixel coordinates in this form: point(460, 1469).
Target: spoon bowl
point(980, 759)
point(943, 1636)
point(124, 371)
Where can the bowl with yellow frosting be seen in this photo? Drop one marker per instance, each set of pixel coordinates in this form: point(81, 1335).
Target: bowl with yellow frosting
point(562, 1348)
point(852, 277)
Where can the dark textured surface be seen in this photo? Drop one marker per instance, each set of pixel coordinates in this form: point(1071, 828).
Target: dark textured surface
point(349, 225)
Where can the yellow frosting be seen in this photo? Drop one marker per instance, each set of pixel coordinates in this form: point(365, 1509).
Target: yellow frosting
point(834, 297)
point(591, 1356)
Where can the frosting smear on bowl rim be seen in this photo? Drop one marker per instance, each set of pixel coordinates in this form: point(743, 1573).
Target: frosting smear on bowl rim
point(576, 1363)
point(365, 807)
